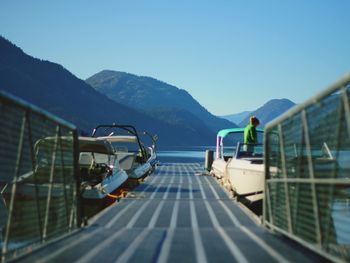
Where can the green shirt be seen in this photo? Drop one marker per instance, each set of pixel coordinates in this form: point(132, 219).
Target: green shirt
point(250, 134)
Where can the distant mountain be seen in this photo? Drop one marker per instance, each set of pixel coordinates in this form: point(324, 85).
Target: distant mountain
point(147, 94)
point(183, 118)
point(53, 88)
point(269, 111)
point(236, 118)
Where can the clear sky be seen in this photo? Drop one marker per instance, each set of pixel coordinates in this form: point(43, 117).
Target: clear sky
point(230, 55)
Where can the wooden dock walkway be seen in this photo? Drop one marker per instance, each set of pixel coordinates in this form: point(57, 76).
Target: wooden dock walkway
point(176, 215)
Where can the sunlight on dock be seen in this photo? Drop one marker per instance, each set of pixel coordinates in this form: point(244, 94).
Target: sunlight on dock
point(176, 215)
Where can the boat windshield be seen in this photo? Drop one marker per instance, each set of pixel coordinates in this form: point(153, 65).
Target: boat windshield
point(250, 150)
point(122, 137)
point(228, 147)
point(126, 147)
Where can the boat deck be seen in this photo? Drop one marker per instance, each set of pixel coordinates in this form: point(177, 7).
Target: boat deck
point(176, 215)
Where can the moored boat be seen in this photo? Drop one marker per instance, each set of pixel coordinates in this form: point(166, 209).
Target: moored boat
point(239, 166)
point(99, 168)
point(133, 156)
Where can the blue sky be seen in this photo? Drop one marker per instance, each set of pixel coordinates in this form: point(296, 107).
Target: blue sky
point(230, 55)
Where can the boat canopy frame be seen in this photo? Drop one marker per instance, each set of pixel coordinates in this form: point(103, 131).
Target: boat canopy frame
point(128, 128)
point(224, 133)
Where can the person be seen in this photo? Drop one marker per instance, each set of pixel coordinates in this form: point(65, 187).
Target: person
point(250, 134)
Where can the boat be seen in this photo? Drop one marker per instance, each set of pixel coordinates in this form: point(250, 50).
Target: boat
point(100, 171)
point(239, 166)
point(133, 156)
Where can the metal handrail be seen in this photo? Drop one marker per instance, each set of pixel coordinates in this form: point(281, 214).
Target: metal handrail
point(302, 188)
point(43, 203)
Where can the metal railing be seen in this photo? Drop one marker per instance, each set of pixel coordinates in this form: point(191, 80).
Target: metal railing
point(38, 184)
point(307, 188)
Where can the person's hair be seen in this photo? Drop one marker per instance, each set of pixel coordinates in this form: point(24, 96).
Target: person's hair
point(254, 120)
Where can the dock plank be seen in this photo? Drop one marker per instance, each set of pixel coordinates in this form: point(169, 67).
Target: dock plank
point(176, 215)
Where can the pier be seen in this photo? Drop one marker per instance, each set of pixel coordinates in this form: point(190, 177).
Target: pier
point(176, 215)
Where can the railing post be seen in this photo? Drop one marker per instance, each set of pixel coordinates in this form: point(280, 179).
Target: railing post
point(63, 176)
point(34, 161)
point(345, 98)
point(266, 175)
point(77, 190)
point(52, 171)
point(284, 172)
point(14, 187)
point(312, 177)
point(335, 171)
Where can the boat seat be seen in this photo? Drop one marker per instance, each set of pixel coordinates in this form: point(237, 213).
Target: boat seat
point(85, 159)
point(126, 160)
point(104, 158)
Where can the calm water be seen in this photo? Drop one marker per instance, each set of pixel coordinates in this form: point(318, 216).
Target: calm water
point(195, 154)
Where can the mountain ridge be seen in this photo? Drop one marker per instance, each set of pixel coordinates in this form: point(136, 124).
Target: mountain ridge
point(145, 93)
point(269, 111)
point(236, 117)
point(50, 86)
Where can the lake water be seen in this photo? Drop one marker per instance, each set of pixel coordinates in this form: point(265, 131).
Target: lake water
point(195, 154)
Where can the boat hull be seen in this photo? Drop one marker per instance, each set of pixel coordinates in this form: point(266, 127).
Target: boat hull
point(218, 168)
point(108, 185)
point(140, 171)
point(243, 177)
point(246, 179)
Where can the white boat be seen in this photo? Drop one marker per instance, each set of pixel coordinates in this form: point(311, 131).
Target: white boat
point(133, 156)
point(99, 168)
point(240, 167)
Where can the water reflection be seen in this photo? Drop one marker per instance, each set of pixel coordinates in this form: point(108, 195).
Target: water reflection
point(195, 154)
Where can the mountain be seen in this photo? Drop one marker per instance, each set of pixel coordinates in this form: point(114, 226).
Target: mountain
point(146, 94)
point(55, 89)
point(269, 111)
point(236, 118)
